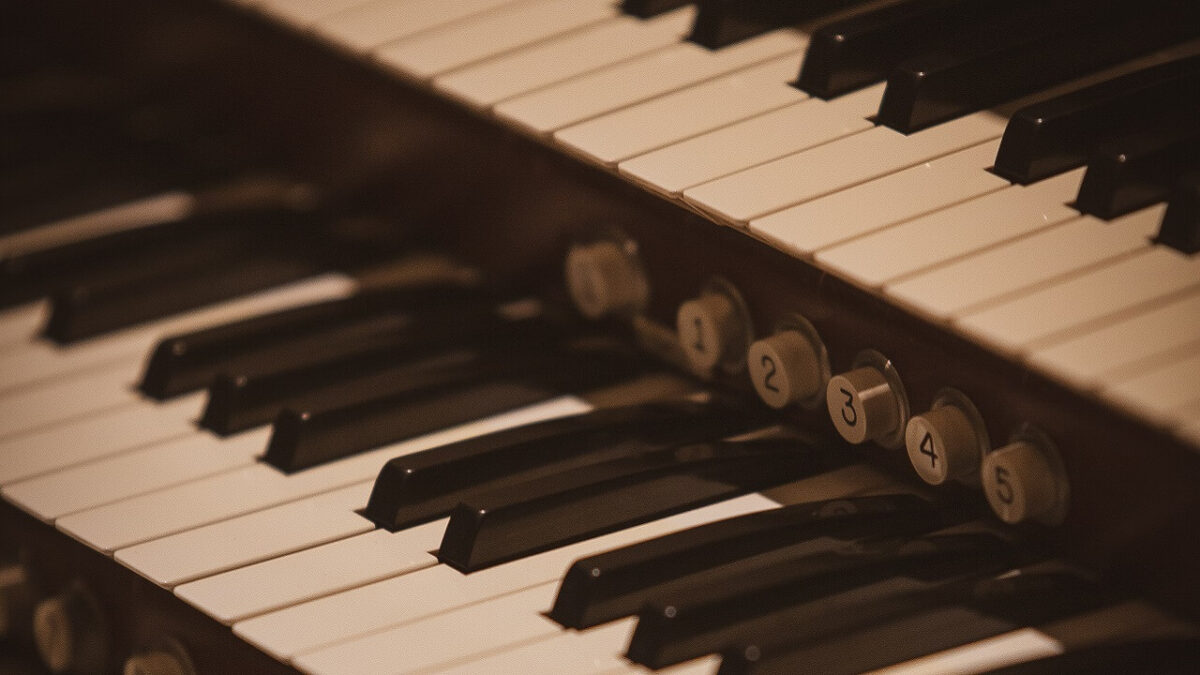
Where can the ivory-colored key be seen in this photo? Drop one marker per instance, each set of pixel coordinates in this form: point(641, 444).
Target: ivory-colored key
point(993, 274)
point(671, 118)
point(370, 24)
point(874, 205)
point(507, 28)
point(639, 79)
point(313, 573)
point(303, 13)
point(673, 169)
point(508, 75)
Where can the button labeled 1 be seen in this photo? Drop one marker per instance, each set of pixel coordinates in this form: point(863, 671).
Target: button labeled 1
point(714, 330)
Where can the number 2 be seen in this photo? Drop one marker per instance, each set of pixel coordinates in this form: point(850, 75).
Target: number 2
point(769, 364)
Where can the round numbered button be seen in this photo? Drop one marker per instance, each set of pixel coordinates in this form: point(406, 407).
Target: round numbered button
point(942, 444)
point(1022, 482)
point(710, 330)
point(863, 405)
point(785, 369)
point(605, 280)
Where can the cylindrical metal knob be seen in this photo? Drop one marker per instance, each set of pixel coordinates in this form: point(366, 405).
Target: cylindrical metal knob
point(785, 368)
point(942, 444)
point(711, 330)
point(863, 405)
point(69, 634)
point(604, 279)
point(1024, 481)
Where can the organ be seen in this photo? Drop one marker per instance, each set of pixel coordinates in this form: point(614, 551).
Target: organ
point(1006, 313)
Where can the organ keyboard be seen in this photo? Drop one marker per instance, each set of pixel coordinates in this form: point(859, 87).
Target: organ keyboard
point(880, 359)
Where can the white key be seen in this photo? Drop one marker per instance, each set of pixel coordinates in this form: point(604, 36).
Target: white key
point(508, 75)
point(162, 208)
point(835, 166)
point(125, 428)
point(304, 12)
point(314, 573)
point(59, 400)
point(1089, 360)
point(661, 121)
point(994, 274)
point(258, 536)
point(22, 323)
point(368, 25)
point(452, 636)
point(874, 205)
point(503, 30)
point(593, 651)
point(707, 157)
point(136, 472)
point(705, 665)
point(1163, 394)
point(43, 360)
point(316, 624)
point(1104, 292)
point(1024, 644)
point(639, 79)
point(260, 486)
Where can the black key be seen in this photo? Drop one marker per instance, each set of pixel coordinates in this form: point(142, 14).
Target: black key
point(1053, 136)
point(1138, 170)
point(304, 335)
point(645, 9)
point(1026, 51)
point(419, 487)
point(616, 583)
point(1181, 224)
point(996, 606)
point(559, 509)
point(852, 53)
point(723, 22)
point(85, 311)
point(724, 607)
point(385, 366)
point(1164, 656)
point(435, 400)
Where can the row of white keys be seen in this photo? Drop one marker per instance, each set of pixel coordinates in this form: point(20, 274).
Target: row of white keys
point(128, 427)
point(639, 79)
point(42, 360)
point(449, 589)
point(507, 28)
point(137, 471)
point(313, 573)
point(671, 118)
point(855, 159)
point(292, 579)
point(949, 233)
point(966, 285)
point(1124, 349)
point(47, 402)
point(248, 539)
point(369, 609)
point(366, 26)
point(484, 84)
point(822, 223)
point(258, 486)
point(1040, 315)
point(794, 128)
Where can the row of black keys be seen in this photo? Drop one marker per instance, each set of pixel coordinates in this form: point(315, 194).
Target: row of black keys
point(750, 587)
point(1139, 133)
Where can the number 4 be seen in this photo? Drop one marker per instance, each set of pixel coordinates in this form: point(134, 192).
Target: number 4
point(929, 448)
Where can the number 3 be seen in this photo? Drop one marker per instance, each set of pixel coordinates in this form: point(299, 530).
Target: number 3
point(850, 419)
